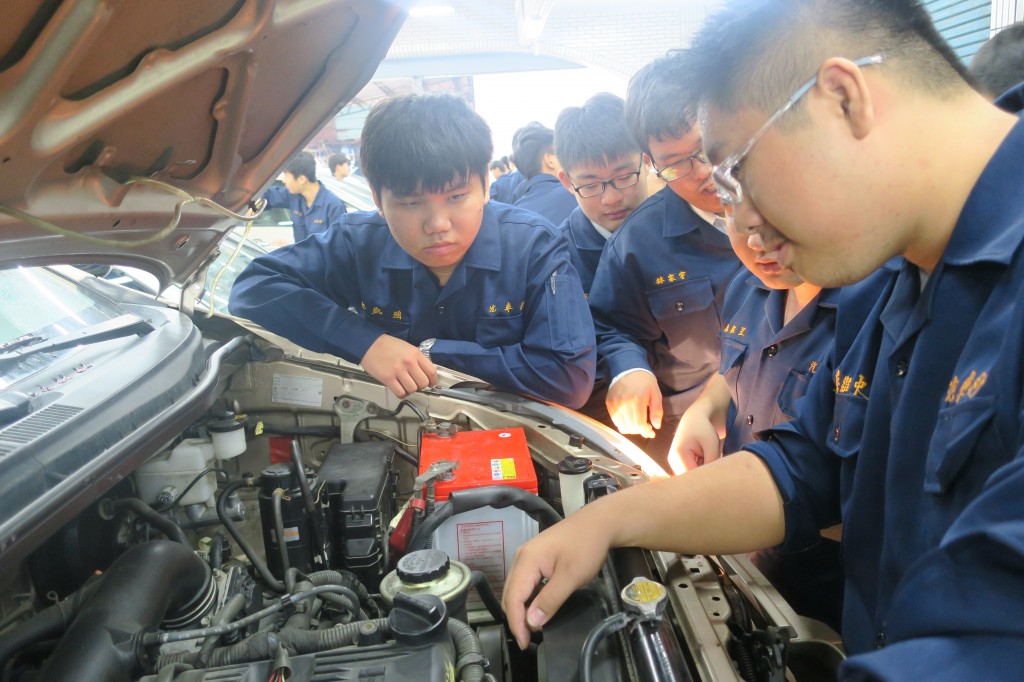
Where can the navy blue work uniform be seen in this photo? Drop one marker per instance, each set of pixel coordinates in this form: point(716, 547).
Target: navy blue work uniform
point(512, 313)
point(1013, 99)
point(503, 189)
point(585, 246)
point(768, 365)
point(326, 211)
point(657, 297)
point(546, 195)
point(912, 436)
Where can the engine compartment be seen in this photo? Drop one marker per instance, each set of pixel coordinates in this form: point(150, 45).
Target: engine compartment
point(399, 521)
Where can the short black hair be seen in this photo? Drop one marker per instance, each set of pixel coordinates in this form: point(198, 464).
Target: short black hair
point(335, 160)
point(422, 142)
point(303, 164)
point(756, 53)
point(656, 100)
point(500, 164)
point(529, 145)
point(593, 133)
point(999, 64)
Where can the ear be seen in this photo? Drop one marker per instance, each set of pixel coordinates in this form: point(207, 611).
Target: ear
point(551, 164)
point(564, 177)
point(843, 85)
point(377, 202)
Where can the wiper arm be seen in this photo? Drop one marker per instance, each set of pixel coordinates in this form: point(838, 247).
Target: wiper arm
point(116, 328)
point(20, 342)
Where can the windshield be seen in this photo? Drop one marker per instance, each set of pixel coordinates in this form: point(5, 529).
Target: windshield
point(38, 305)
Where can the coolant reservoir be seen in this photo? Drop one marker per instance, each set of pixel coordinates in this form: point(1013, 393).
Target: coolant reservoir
point(173, 471)
point(430, 571)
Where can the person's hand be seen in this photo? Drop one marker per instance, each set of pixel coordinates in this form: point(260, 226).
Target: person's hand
point(629, 401)
point(399, 365)
point(696, 442)
point(558, 561)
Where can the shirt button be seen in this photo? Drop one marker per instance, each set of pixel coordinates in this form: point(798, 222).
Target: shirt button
point(440, 310)
point(880, 640)
point(750, 420)
point(901, 368)
point(835, 435)
point(773, 350)
point(680, 306)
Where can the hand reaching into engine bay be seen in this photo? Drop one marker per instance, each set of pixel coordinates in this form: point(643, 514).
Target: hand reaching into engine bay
point(399, 365)
point(698, 438)
point(629, 400)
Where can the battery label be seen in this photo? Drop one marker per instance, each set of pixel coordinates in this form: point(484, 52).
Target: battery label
point(503, 469)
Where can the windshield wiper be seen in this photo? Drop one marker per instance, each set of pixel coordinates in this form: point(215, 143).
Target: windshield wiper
point(115, 328)
point(20, 342)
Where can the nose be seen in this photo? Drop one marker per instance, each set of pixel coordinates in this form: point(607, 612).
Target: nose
point(437, 221)
point(611, 196)
point(746, 217)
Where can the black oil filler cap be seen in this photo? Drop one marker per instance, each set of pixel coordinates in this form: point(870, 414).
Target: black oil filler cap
point(418, 619)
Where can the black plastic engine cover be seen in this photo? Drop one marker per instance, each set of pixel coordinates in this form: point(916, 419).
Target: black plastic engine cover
point(359, 482)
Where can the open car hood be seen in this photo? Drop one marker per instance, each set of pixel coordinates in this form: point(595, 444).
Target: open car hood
point(209, 97)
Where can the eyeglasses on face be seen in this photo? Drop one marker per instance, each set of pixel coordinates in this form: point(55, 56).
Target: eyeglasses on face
point(725, 175)
point(596, 189)
point(681, 168)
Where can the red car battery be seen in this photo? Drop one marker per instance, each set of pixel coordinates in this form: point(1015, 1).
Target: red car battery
point(483, 539)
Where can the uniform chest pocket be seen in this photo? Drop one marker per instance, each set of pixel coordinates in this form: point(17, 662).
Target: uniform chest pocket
point(793, 388)
point(499, 330)
point(733, 354)
point(956, 434)
point(847, 428)
point(681, 299)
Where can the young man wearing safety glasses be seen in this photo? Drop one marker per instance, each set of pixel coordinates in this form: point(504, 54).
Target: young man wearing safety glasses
point(660, 285)
point(912, 434)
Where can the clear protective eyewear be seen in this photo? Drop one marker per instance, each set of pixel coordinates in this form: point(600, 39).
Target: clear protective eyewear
point(724, 175)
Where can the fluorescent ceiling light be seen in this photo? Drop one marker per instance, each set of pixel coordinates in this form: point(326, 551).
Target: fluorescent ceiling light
point(431, 11)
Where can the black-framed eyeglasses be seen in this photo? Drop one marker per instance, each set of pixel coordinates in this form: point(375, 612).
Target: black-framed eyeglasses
point(596, 189)
point(725, 174)
point(682, 167)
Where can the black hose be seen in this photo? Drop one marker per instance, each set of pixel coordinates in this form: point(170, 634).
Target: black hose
point(172, 530)
point(225, 518)
point(217, 551)
point(345, 579)
point(469, 654)
point(478, 579)
point(49, 622)
point(609, 625)
point(143, 586)
point(282, 543)
point(497, 496)
point(310, 504)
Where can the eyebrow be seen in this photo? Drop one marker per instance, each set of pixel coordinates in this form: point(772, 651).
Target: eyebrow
point(619, 170)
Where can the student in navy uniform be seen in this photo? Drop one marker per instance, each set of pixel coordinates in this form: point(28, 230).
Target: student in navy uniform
point(340, 165)
point(853, 126)
point(998, 68)
point(313, 207)
point(605, 169)
point(533, 149)
point(778, 331)
point(659, 288)
point(503, 188)
point(437, 275)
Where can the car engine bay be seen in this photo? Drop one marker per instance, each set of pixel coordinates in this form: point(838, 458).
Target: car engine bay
point(156, 555)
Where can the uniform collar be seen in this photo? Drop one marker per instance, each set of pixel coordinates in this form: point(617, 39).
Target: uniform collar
point(826, 298)
point(991, 224)
point(682, 217)
point(586, 234)
point(484, 253)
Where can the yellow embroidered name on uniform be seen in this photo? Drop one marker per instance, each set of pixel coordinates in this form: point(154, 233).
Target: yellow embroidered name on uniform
point(844, 384)
point(397, 315)
point(376, 311)
point(735, 329)
point(967, 388)
point(670, 277)
point(814, 367)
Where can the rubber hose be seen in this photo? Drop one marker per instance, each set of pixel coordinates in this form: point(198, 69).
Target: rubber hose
point(263, 645)
point(603, 629)
point(172, 530)
point(345, 579)
point(217, 551)
point(467, 644)
point(282, 543)
point(138, 591)
point(225, 518)
point(483, 588)
point(226, 614)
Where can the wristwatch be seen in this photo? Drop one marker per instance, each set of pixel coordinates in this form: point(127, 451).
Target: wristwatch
point(426, 346)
